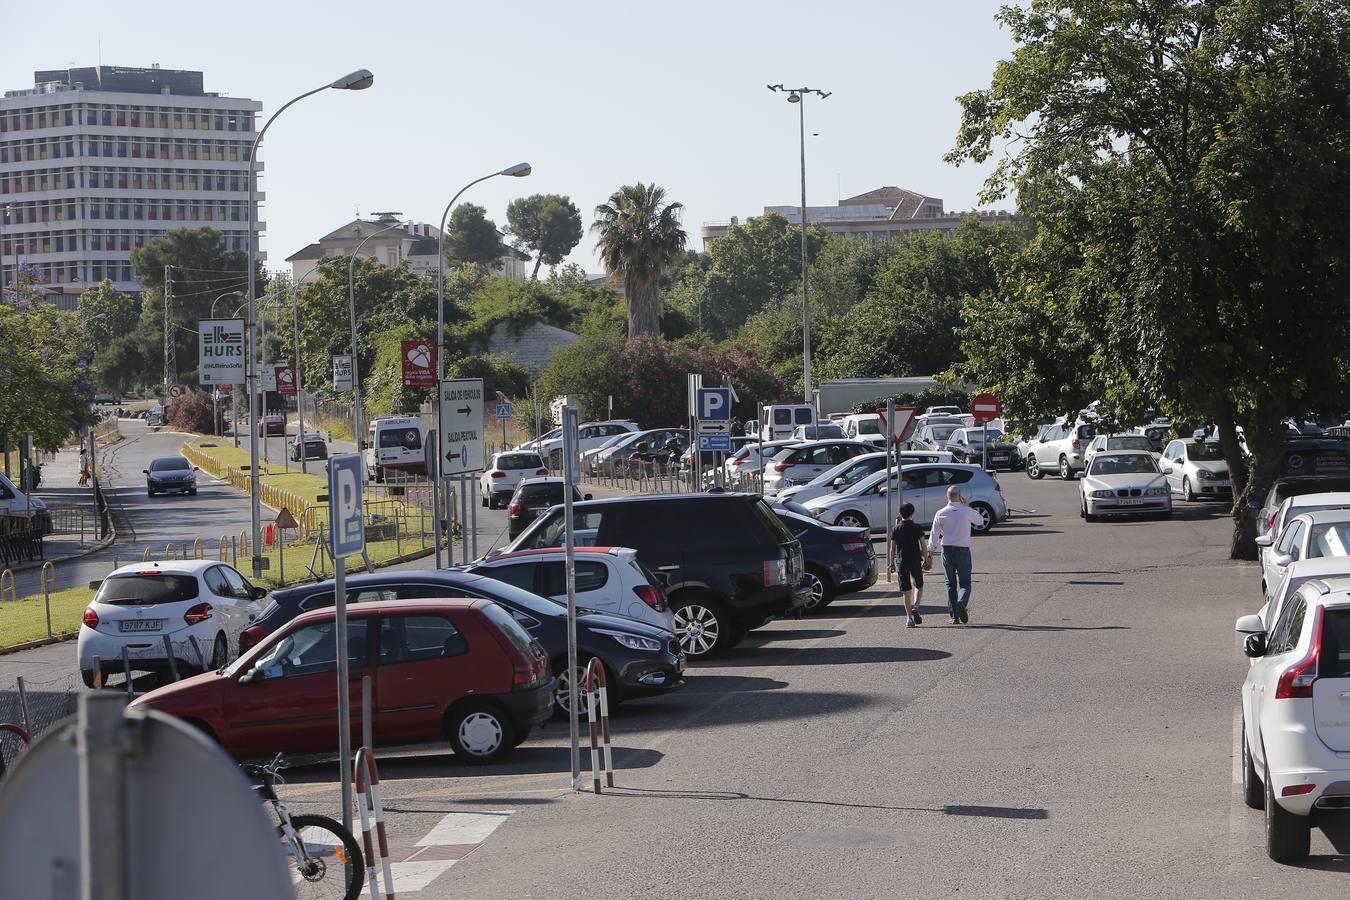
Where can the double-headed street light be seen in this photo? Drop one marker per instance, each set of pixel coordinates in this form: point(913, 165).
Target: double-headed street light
point(798, 96)
point(354, 81)
point(519, 170)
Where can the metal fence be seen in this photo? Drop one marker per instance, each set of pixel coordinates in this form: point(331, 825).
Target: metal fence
point(35, 706)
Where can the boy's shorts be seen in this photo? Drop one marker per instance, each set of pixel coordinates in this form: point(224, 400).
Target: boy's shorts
point(911, 569)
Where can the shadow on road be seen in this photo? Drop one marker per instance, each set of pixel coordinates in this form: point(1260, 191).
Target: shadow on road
point(833, 656)
point(794, 634)
point(397, 764)
point(688, 710)
point(996, 812)
point(726, 684)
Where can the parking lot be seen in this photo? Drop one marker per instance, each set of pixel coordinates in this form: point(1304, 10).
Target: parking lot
point(1077, 738)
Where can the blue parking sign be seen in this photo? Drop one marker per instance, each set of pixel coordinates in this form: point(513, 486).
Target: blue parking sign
point(346, 521)
point(714, 443)
point(714, 404)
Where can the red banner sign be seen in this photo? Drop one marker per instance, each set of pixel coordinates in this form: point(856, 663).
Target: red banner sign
point(419, 363)
point(286, 380)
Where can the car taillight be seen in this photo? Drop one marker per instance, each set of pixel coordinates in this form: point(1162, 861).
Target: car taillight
point(651, 596)
point(528, 671)
point(199, 613)
point(1076, 443)
point(737, 462)
point(780, 467)
point(775, 572)
point(853, 543)
point(90, 617)
point(1270, 523)
point(251, 637)
point(498, 474)
point(514, 508)
point(541, 472)
point(1297, 680)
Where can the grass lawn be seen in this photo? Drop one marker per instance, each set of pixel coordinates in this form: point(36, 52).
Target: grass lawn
point(26, 620)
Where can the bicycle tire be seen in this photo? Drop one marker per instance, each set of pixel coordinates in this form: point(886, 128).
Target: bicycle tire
point(355, 870)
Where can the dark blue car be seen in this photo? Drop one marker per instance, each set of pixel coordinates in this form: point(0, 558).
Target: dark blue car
point(838, 560)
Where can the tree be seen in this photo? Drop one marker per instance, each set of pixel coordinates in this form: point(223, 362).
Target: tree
point(756, 264)
point(193, 411)
point(106, 313)
point(639, 238)
point(547, 225)
point(843, 271)
point(1190, 165)
point(473, 237)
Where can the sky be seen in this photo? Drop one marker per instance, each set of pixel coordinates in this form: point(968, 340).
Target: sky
point(593, 94)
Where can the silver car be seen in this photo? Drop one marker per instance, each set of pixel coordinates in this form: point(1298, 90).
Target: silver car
point(1196, 469)
point(803, 462)
point(1123, 482)
point(864, 504)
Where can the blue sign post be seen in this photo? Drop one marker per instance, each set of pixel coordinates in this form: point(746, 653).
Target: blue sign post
point(503, 410)
point(714, 404)
point(714, 443)
point(346, 537)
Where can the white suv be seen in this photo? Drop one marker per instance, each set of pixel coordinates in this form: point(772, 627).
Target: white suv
point(1296, 716)
point(1060, 448)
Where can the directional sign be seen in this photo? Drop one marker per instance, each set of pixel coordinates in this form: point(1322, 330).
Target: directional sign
point(714, 404)
point(904, 422)
point(503, 410)
point(985, 408)
point(346, 526)
point(714, 442)
point(220, 351)
point(461, 443)
point(714, 427)
point(342, 373)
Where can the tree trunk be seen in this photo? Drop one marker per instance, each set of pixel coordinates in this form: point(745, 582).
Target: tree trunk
point(1265, 439)
point(644, 308)
point(538, 261)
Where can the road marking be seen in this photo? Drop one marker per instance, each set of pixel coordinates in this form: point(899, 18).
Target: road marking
point(411, 877)
point(464, 828)
point(1237, 746)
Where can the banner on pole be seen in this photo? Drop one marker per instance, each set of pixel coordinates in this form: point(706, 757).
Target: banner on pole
point(220, 347)
point(342, 373)
point(285, 378)
point(419, 363)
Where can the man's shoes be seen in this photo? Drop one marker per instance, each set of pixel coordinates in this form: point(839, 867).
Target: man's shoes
point(909, 623)
point(965, 617)
point(918, 619)
point(956, 620)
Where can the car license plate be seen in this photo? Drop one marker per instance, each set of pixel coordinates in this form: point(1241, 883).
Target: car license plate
point(1131, 502)
point(140, 625)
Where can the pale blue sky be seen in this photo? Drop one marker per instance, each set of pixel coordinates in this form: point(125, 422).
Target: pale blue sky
point(593, 94)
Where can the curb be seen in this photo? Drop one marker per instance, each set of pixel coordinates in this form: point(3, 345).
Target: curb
point(41, 642)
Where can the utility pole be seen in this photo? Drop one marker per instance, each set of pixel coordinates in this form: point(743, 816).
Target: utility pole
point(170, 357)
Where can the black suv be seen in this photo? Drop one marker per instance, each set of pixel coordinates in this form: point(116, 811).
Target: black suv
point(532, 497)
point(729, 564)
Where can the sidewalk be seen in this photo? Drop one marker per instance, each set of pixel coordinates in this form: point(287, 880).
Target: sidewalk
point(71, 507)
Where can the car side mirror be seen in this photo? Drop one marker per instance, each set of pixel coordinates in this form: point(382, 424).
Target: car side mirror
point(1283, 560)
point(839, 482)
point(252, 676)
point(145, 471)
point(1264, 540)
point(196, 469)
point(258, 593)
point(1255, 645)
point(1251, 624)
point(1166, 469)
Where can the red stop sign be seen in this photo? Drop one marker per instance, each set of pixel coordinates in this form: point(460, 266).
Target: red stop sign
point(985, 408)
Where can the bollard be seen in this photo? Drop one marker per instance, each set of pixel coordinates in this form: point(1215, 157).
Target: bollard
point(281, 556)
point(147, 555)
point(234, 552)
point(98, 673)
point(243, 544)
point(170, 551)
point(126, 673)
point(368, 801)
point(223, 551)
point(7, 578)
point(168, 653)
point(198, 549)
point(597, 701)
point(47, 581)
point(23, 704)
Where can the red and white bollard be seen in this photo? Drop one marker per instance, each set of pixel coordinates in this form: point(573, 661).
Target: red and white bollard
point(597, 700)
point(368, 801)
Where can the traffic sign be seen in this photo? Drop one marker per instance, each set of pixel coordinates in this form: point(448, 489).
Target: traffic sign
point(719, 443)
point(346, 525)
point(985, 408)
point(714, 428)
point(461, 443)
point(177, 390)
point(503, 410)
point(714, 404)
point(342, 373)
point(904, 422)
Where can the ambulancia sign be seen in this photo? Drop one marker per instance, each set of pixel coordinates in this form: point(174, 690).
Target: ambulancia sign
point(221, 351)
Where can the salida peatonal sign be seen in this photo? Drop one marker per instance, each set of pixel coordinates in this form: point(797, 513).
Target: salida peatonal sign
point(221, 351)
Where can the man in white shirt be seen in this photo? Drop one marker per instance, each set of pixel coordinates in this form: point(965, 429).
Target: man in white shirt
point(951, 533)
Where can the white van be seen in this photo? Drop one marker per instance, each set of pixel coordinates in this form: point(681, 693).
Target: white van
point(14, 502)
point(395, 442)
point(864, 427)
point(782, 419)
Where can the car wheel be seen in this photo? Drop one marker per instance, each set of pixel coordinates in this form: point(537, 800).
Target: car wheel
point(521, 736)
point(1034, 469)
point(1088, 517)
point(851, 519)
point(1065, 470)
point(487, 504)
point(562, 691)
point(702, 627)
point(480, 734)
point(1253, 791)
point(1288, 836)
point(986, 517)
point(149, 493)
point(822, 590)
point(87, 676)
point(220, 653)
point(192, 493)
point(1186, 491)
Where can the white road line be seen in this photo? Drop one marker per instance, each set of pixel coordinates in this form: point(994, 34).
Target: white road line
point(410, 877)
point(1237, 746)
point(464, 828)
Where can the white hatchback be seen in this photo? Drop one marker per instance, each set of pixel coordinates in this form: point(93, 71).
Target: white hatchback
point(504, 473)
point(139, 605)
point(1296, 716)
point(1309, 535)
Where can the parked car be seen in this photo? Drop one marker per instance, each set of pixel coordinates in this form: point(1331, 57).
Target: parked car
point(839, 561)
point(614, 459)
point(589, 436)
point(1333, 571)
point(729, 563)
point(312, 447)
point(1321, 456)
point(1196, 469)
point(925, 485)
point(1123, 482)
point(800, 463)
point(850, 472)
point(608, 579)
point(272, 424)
point(139, 604)
point(781, 419)
point(752, 455)
point(709, 460)
point(1295, 743)
point(170, 475)
point(504, 473)
point(865, 427)
point(966, 445)
point(17, 503)
point(1157, 433)
point(1060, 448)
point(639, 659)
point(818, 432)
point(1116, 442)
point(1308, 535)
point(1282, 489)
point(1301, 503)
point(395, 444)
point(590, 458)
point(942, 411)
point(458, 670)
point(1024, 445)
point(934, 435)
point(532, 497)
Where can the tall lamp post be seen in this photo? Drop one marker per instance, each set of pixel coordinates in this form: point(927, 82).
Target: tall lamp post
point(357, 433)
point(519, 170)
point(798, 96)
point(354, 81)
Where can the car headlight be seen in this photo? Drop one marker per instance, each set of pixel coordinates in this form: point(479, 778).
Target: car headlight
point(1098, 494)
point(1205, 475)
point(633, 641)
point(1155, 492)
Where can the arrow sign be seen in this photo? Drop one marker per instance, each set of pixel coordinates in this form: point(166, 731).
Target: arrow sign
point(465, 410)
point(461, 406)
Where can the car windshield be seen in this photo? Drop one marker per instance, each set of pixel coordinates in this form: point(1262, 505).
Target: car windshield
point(1330, 540)
point(169, 464)
point(519, 461)
point(1129, 442)
point(942, 432)
point(1127, 464)
point(1204, 451)
point(976, 436)
point(824, 430)
point(869, 426)
point(146, 588)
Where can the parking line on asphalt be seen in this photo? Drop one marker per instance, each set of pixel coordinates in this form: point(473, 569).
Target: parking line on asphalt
point(465, 828)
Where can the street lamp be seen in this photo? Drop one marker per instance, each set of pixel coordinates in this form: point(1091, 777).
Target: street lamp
point(354, 81)
point(519, 170)
point(220, 298)
point(356, 366)
point(798, 96)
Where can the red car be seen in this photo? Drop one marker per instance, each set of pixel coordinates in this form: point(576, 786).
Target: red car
point(272, 424)
point(461, 670)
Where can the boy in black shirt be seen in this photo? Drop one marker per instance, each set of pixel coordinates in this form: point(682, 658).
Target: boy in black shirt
point(907, 547)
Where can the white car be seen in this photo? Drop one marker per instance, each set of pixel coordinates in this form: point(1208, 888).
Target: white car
point(864, 427)
point(589, 436)
point(1296, 716)
point(1196, 469)
point(934, 435)
point(608, 580)
point(1059, 448)
point(801, 463)
point(864, 504)
point(1115, 442)
point(1306, 536)
point(18, 504)
point(138, 605)
point(1330, 570)
point(1123, 482)
point(750, 458)
point(504, 472)
point(849, 473)
point(1273, 523)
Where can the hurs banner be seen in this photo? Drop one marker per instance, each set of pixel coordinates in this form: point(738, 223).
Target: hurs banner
point(221, 351)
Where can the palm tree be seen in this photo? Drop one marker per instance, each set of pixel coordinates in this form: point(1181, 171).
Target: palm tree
point(640, 238)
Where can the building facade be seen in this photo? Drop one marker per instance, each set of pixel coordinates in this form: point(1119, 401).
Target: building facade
point(96, 161)
point(880, 215)
point(411, 242)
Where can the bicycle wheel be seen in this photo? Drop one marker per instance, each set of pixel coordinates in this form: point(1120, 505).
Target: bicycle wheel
point(334, 865)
